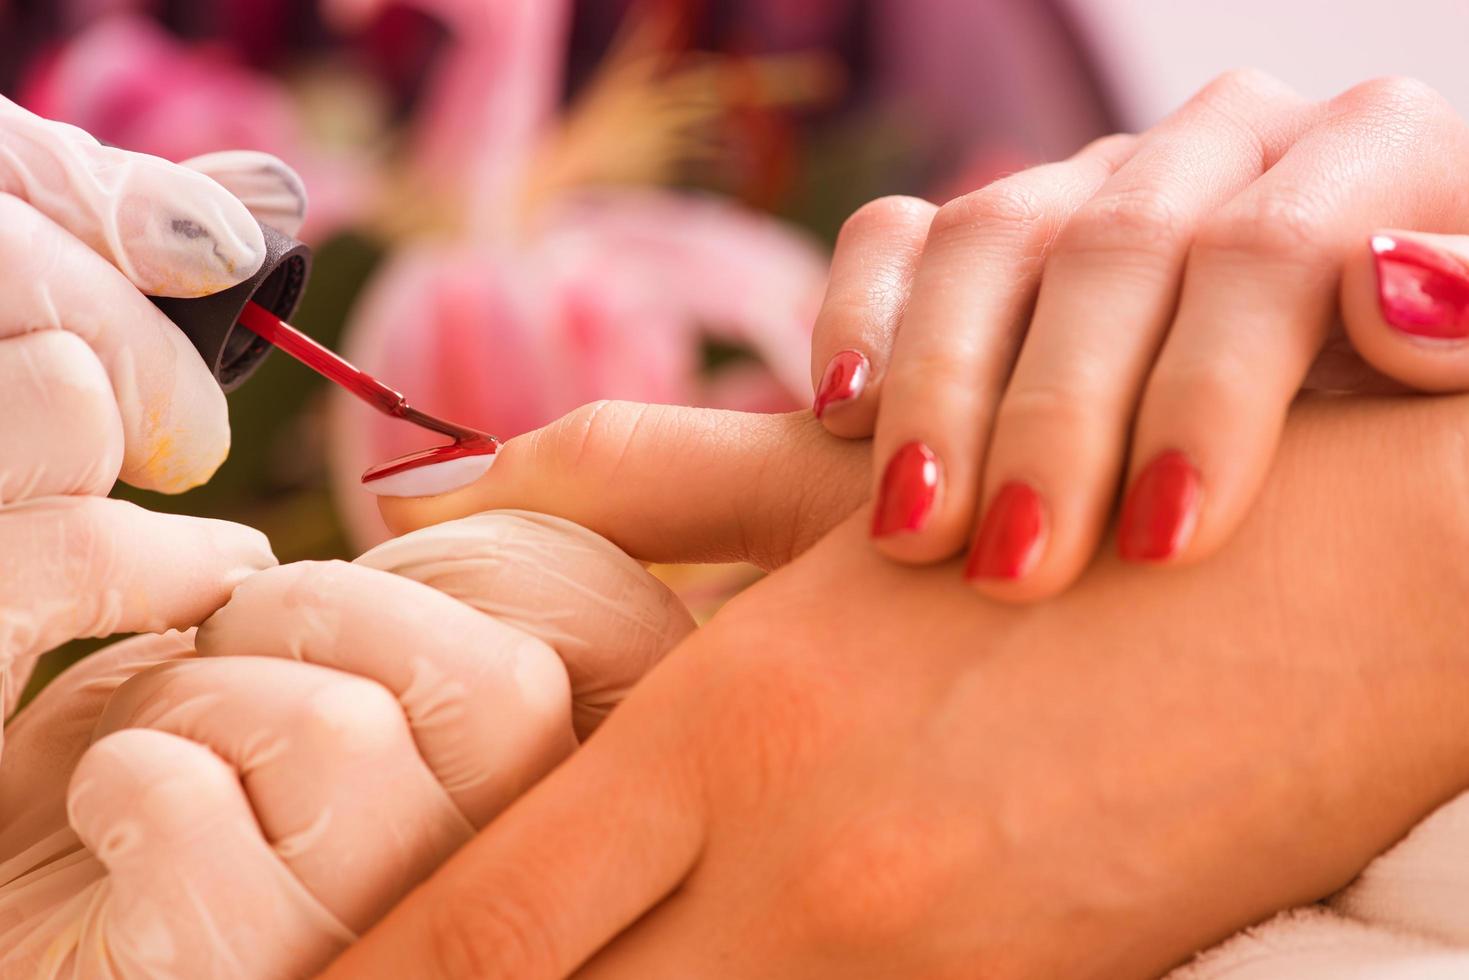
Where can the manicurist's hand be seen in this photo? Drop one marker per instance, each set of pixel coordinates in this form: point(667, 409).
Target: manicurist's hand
point(96, 384)
point(859, 769)
point(244, 811)
point(1136, 320)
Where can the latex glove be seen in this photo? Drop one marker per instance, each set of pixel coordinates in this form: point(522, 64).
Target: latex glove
point(95, 383)
point(348, 726)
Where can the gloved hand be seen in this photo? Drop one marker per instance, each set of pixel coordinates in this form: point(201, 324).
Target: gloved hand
point(95, 383)
point(246, 816)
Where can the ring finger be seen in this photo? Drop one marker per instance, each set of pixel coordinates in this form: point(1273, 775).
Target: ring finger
point(980, 269)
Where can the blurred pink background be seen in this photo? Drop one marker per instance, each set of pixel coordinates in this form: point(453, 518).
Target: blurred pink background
point(523, 205)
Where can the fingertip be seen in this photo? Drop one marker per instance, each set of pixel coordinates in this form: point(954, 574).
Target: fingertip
point(192, 238)
point(1405, 306)
point(175, 417)
point(403, 514)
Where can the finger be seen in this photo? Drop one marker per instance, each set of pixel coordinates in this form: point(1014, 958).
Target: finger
point(971, 297)
point(44, 742)
point(327, 762)
point(1111, 285)
point(88, 566)
point(272, 191)
point(669, 484)
point(169, 230)
point(607, 619)
point(1405, 305)
point(872, 268)
point(488, 705)
point(174, 420)
point(60, 431)
point(561, 872)
point(192, 884)
point(1260, 298)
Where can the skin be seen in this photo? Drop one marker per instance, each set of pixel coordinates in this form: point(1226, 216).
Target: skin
point(941, 786)
point(337, 730)
point(1065, 325)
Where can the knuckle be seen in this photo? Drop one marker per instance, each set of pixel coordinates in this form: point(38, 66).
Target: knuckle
point(928, 378)
point(883, 214)
point(470, 937)
point(1010, 207)
point(1247, 84)
point(592, 439)
point(1144, 221)
point(1278, 228)
point(1396, 95)
point(1215, 381)
point(1051, 408)
point(1393, 115)
point(1113, 147)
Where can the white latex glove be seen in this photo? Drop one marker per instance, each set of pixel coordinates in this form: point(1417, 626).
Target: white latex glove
point(345, 728)
point(95, 383)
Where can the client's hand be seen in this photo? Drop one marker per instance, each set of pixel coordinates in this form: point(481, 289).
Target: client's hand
point(1141, 315)
point(858, 770)
point(344, 727)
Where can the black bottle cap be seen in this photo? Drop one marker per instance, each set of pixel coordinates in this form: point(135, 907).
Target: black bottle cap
point(212, 322)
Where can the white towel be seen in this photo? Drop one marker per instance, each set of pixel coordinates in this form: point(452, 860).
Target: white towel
point(1405, 918)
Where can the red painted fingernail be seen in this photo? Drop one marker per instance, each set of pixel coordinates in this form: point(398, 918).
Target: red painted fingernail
point(1162, 509)
point(842, 381)
point(910, 485)
point(1011, 537)
point(1423, 290)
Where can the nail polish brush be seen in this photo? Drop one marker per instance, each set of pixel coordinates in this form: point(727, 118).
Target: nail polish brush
point(235, 329)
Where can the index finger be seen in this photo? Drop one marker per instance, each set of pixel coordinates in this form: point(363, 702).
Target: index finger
point(170, 230)
point(175, 424)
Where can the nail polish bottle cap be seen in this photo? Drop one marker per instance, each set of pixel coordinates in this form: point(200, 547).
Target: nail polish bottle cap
point(212, 324)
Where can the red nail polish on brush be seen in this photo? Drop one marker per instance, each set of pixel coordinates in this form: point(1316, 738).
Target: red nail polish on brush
point(1423, 290)
point(467, 441)
point(1011, 537)
point(234, 329)
point(1161, 510)
point(910, 485)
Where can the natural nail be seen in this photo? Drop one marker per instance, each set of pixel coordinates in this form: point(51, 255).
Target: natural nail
point(842, 381)
point(1423, 290)
point(1011, 537)
point(909, 487)
point(1162, 509)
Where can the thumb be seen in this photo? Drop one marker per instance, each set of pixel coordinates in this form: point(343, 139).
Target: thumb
point(670, 484)
point(1405, 306)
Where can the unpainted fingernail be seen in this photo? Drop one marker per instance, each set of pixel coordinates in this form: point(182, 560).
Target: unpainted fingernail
point(842, 382)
